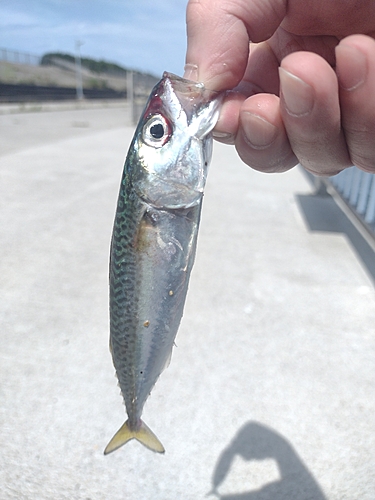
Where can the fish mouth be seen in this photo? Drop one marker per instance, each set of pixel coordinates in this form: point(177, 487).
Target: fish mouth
point(189, 87)
point(192, 95)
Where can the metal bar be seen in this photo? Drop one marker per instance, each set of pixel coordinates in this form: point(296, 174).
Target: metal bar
point(354, 192)
point(364, 229)
point(340, 181)
point(348, 180)
point(356, 182)
point(370, 211)
point(364, 192)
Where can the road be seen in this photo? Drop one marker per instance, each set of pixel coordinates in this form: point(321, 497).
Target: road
point(270, 391)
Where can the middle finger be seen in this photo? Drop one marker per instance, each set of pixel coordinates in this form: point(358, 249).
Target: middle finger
point(311, 113)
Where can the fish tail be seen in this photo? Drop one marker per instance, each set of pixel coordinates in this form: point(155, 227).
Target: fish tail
point(143, 434)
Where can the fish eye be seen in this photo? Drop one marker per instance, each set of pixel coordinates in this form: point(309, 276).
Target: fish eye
point(156, 131)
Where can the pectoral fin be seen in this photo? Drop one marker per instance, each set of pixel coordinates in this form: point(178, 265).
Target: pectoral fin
point(143, 434)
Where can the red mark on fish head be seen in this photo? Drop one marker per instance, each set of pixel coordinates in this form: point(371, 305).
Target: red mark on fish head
point(155, 106)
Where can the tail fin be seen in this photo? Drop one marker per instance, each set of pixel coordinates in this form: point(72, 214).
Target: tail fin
point(144, 435)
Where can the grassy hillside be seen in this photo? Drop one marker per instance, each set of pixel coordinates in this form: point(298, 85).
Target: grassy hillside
point(56, 76)
point(93, 65)
point(59, 70)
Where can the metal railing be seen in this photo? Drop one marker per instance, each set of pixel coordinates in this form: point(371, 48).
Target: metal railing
point(357, 188)
point(138, 87)
point(354, 191)
point(37, 93)
point(15, 56)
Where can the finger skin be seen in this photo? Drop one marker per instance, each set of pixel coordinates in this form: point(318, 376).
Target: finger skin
point(339, 130)
point(335, 127)
point(255, 126)
point(219, 32)
point(261, 140)
point(335, 17)
point(311, 136)
point(355, 65)
point(310, 110)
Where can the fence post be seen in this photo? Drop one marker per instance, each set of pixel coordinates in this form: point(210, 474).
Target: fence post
point(130, 92)
point(79, 71)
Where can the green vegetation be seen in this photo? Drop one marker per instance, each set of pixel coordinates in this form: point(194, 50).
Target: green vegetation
point(91, 64)
point(95, 83)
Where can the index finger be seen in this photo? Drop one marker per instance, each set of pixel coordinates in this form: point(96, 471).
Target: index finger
point(219, 33)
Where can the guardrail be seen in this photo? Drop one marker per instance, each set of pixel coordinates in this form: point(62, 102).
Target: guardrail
point(33, 93)
point(358, 189)
point(354, 191)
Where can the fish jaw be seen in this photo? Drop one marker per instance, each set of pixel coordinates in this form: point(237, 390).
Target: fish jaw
point(175, 185)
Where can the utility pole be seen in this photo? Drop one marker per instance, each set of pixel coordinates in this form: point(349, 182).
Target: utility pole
point(79, 88)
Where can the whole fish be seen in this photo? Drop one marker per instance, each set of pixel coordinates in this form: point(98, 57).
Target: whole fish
point(154, 240)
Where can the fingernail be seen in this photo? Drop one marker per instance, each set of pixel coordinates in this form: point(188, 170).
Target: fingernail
point(351, 80)
point(223, 137)
point(191, 72)
point(259, 133)
point(297, 95)
point(220, 135)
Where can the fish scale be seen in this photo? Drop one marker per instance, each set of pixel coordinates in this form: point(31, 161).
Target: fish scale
point(154, 240)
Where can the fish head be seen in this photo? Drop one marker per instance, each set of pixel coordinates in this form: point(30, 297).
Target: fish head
point(172, 145)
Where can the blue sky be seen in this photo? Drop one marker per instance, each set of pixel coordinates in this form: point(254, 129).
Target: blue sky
point(141, 34)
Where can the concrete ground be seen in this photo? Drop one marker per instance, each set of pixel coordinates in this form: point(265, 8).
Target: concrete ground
point(270, 392)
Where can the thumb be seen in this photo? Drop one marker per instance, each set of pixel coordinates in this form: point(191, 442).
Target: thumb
point(219, 33)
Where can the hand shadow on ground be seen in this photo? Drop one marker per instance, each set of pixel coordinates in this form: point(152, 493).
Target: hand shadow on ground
point(255, 442)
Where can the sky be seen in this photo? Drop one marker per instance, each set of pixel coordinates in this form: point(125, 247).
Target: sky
point(148, 35)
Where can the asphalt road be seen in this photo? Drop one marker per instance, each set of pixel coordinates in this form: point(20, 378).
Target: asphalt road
point(270, 392)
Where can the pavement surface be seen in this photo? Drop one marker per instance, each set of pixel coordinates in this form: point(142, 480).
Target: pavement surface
point(270, 392)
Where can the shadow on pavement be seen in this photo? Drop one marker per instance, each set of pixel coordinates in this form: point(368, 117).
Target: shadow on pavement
point(255, 442)
point(322, 214)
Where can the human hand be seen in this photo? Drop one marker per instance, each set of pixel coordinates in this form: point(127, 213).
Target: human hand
point(305, 92)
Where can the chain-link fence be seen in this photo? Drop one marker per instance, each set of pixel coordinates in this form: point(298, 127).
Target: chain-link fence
point(137, 87)
point(15, 56)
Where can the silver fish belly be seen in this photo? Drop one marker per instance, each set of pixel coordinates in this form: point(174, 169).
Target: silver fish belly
point(154, 240)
